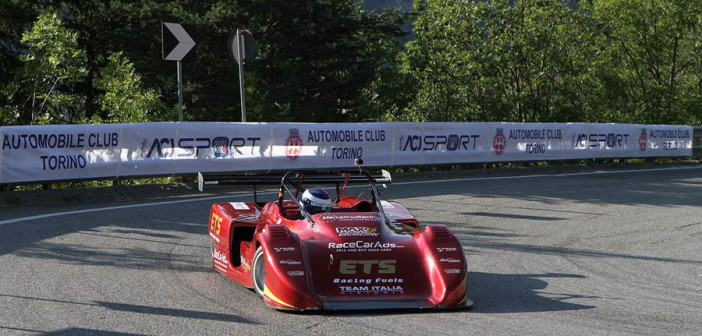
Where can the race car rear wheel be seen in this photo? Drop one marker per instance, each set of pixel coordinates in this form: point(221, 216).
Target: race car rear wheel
point(258, 271)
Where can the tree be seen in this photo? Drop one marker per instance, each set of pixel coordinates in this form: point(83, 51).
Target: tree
point(388, 96)
point(125, 99)
point(497, 61)
point(42, 91)
point(654, 48)
point(315, 58)
point(441, 61)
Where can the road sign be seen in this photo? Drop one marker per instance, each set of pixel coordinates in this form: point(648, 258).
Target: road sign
point(247, 42)
point(176, 41)
point(242, 48)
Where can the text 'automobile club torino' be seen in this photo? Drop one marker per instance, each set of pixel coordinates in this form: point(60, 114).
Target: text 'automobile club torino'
point(363, 253)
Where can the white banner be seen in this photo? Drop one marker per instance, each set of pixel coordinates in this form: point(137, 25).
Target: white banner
point(72, 152)
point(300, 146)
point(439, 143)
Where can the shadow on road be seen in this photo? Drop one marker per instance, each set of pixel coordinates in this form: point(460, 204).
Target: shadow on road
point(130, 226)
point(639, 188)
point(123, 257)
point(182, 313)
point(513, 216)
point(519, 293)
point(475, 239)
point(124, 307)
point(86, 332)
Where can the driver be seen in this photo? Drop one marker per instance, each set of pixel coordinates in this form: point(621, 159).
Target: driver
point(316, 200)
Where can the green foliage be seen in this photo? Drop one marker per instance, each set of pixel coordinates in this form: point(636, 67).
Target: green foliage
point(443, 61)
point(41, 92)
point(387, 96)
point(554, 61)
point(125, 99)
point(655, 58)
point(316, 58)
point(331, 60)
point(496, 61)
point(16, 17)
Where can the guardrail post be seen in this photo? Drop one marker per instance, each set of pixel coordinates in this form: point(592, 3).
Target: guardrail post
point(697, 141)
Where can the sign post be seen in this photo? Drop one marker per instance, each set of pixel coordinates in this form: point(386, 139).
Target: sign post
point(179, 43)
point(241, 76)
point(241, 47)
point(179, 66)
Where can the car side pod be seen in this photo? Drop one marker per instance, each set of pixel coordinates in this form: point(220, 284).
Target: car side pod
point(287, 283)
point(446, 265)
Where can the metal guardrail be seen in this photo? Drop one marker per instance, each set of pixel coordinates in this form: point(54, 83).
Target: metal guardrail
point(697, 141)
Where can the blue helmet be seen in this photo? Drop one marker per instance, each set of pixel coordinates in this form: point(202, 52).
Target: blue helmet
point(316, 200)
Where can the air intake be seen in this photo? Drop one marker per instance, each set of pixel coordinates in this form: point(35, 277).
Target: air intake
point(278, 231)
point(440, 232)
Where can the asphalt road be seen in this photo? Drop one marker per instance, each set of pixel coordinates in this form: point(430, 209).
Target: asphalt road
point(586, 254)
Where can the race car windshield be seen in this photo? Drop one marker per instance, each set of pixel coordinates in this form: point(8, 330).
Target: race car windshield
point(315, 209)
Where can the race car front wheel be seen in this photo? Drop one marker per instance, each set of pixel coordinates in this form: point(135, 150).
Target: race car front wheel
point(258, 271)
point(212, 249)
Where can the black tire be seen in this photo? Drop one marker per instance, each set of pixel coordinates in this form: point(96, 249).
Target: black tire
point(212, 249)
point(258, 271)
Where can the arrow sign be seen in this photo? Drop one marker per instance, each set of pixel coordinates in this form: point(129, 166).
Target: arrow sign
point(183, 40)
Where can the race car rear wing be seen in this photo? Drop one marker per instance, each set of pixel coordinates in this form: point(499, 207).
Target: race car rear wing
point(296, 176)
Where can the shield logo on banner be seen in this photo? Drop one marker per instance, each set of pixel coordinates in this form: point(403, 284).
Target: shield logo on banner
point(293, 146)
point(452, 143)
point(220, 146)
point(498, 143)
point(643, 140)
point(611, 140)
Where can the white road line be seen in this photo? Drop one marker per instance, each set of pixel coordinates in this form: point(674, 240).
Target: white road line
point(122, 207)
point(198, 199)
point(549, 175)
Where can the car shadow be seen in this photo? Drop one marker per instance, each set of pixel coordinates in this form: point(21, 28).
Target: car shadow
point(495, 293)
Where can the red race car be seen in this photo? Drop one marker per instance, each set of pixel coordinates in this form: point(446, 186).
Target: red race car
point(308, 250)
